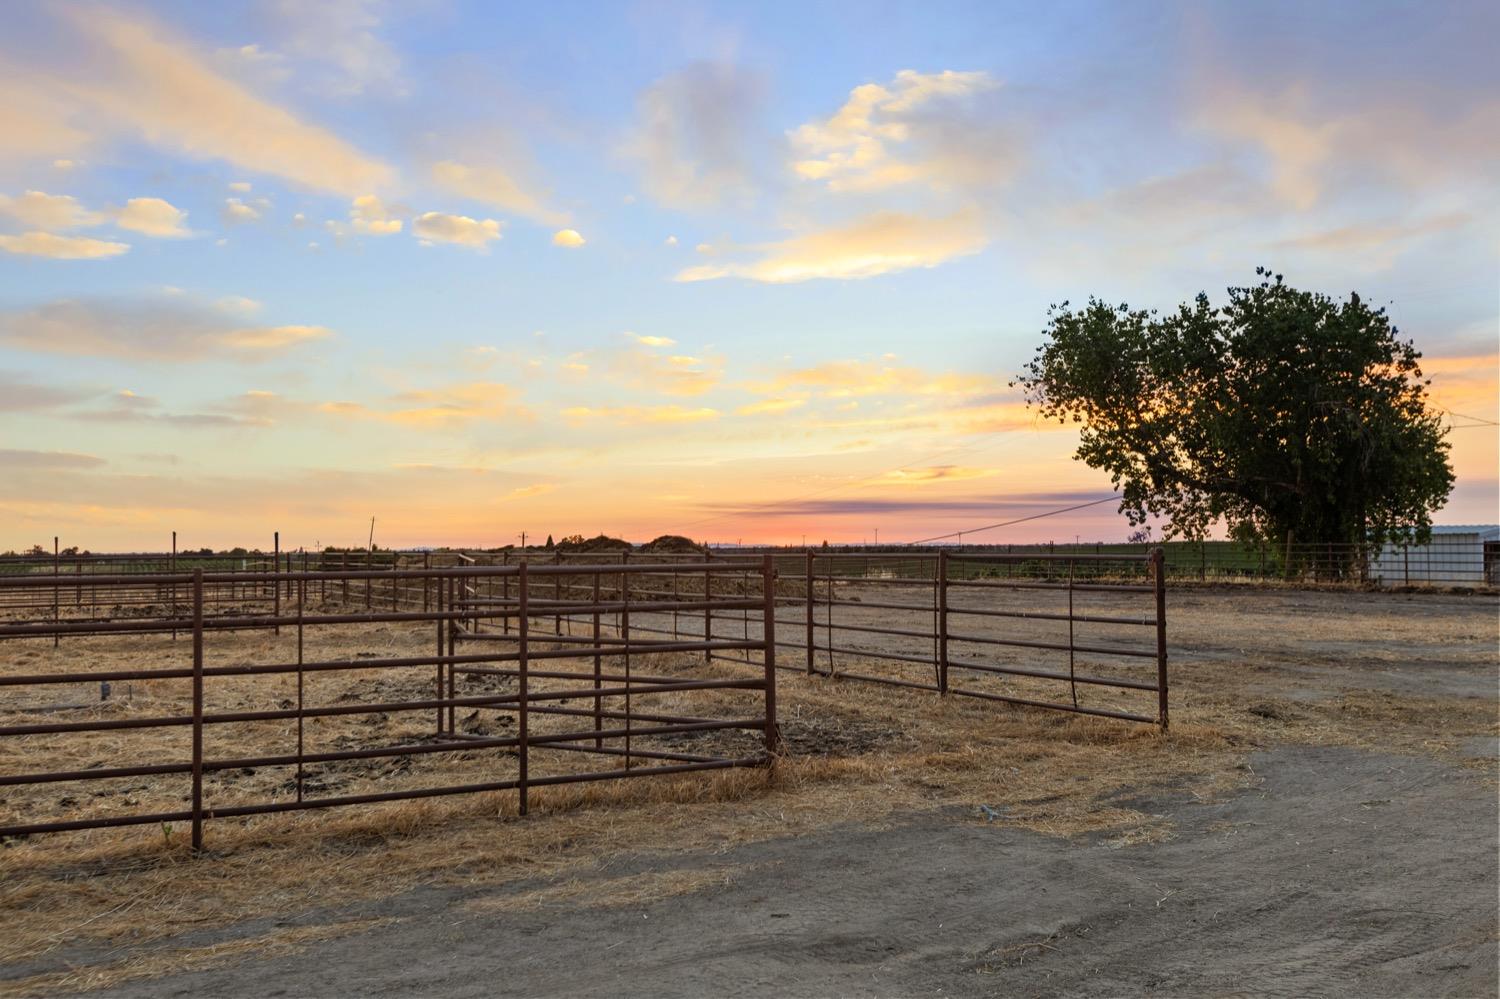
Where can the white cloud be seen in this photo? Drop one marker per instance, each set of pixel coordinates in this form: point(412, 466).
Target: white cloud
point(156, 86)
point(879, 244)
point(671, 240)
point(240, 186)
point(48, 211)
point(437, 227)
point(921, 128)
point(46, 244)
point(337, 45)
point(696, 138)
point(152, 217)
point(567, 237)
point(497, 188)
point(369, 215)
point(651, 341)
point(238, 303)
point(166, 328)
point(236, 210)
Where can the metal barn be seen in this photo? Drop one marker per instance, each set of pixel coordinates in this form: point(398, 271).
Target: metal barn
point(1456, 555)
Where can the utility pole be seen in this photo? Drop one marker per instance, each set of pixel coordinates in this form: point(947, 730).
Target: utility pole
point(523, 539)
point(877, 537)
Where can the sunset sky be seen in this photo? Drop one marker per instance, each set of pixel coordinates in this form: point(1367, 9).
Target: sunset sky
point(750, 272)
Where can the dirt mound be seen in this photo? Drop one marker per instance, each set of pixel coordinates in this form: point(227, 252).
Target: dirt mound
point(598, 543)
point(673, 544)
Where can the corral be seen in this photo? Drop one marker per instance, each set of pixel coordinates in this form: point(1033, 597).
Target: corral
point(902, 841)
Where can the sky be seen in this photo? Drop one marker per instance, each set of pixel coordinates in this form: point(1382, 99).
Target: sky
point(756, 273)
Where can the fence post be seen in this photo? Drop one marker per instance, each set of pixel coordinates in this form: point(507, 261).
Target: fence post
point(768, 635)
point(522, 652)
point(1406, 565)
point(197, 710)
point(811, 641)
point(441, 648)
point(598, 703)
point(942, 585)
point(708, 614)
point(275, 581)
point(174, 586)
point(1159, 584)
point(625, 637)
point(56, 596)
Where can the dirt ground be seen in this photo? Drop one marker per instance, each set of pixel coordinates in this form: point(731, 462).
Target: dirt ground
point(1321, 819)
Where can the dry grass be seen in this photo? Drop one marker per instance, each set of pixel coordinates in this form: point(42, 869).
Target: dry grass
point(183, 959)
point(898, 751)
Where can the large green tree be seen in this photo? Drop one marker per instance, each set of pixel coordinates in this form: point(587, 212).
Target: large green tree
point(1284, 414)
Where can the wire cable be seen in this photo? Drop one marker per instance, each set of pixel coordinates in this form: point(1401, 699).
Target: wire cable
point(1018, 520)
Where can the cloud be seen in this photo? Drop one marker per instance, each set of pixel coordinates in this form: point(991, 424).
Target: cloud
point(652, 341)
point(34, 120)
point(1380, 243)
point(933, 474)
point(15, 459)
point(770, 407)
point(155, 86)
point(128, 407)
point(237, 211)
point(672, 374)
point(634, 415)
point(525, 492)
point(696, 138)
point(18, 395)
point(274, 338)
point(495, 187)
point(337, 46)
point(445, 405)
point(878, 244)
point(567, 237)
point(51, 212)
point(152, 217)
point(921, 128)
point(1311, 146)
point(369, 215)
point(845, 379)
point(436, 227)
point(46, 244)
point(169, 328)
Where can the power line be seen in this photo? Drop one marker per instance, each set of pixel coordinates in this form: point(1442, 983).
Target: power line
point(1018, 520)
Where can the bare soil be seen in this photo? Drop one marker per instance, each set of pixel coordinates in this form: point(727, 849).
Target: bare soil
point(1321, 819)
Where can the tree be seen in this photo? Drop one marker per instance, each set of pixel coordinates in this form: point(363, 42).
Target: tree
point(1283, 414)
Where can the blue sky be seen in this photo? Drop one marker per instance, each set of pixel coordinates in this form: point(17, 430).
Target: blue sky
point(474, 268)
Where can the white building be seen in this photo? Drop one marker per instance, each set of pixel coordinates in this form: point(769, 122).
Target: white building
point(1456, 555)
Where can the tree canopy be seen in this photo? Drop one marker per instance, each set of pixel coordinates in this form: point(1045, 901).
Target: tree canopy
point(1282, 413)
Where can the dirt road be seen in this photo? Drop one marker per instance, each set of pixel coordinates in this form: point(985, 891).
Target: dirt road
point(1339, 872)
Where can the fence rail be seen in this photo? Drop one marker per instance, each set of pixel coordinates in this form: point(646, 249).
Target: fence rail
point(528, 682)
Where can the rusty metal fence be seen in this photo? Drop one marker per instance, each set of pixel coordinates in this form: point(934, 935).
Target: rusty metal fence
point(305, 723)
